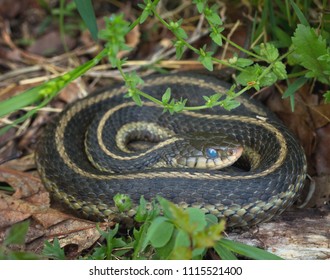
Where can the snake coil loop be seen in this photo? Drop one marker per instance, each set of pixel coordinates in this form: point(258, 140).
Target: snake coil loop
point(277, 164)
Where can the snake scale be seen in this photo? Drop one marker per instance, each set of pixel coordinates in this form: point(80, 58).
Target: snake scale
point(243, 196)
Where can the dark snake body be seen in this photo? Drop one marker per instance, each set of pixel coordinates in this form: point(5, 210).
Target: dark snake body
point(244, 198)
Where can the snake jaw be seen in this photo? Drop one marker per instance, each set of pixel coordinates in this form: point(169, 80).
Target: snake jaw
point(224, 157)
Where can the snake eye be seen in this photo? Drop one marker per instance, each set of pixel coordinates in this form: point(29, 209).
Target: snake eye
point(211, 153)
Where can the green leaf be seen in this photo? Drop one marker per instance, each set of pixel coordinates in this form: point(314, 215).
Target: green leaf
point(267, 50)
point(181, 253)
point(299, 13)
point(212, 16)
point(280, 70)
point(141, 211)
point(179, 105)
point(241, 62)
point(206, 59)
point(309, 48)
point(164, 252)
point(212, 100)
point(17, 233)
point(179, 48)
point(250, 74)
point(326, 96)
point(283, 37)
point(178, 31)
point(141, 242)
point(223, 252)
point(229, 103)
point(196, 219)
point(54, 251)
point(122, 202)
point(137, 99)
point(208, 237)
point(160, 232)
point(166, 96)
point(248, 251)
point(86, 11)
point(216, 35)
point(200, 5)
point(145, 14)
point(292, 88)
point(148, 8)
point(211, 219)
point(182, 239)
point(17, 255)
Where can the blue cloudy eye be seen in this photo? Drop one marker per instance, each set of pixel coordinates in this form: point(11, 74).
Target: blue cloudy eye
point(211, 153)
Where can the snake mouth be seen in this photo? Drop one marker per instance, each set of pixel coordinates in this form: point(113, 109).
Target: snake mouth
point(224, 158)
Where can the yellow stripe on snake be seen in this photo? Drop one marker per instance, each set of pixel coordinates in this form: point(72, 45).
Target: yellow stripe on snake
point(87, 154)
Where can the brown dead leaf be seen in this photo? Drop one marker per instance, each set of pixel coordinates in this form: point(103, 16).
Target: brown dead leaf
point(70, 93)
point(321, 195)
point(51, 44)
point(25, 185)
point(322, 151)
point(299, 121)
point(320, 115)
point(24, 163)
point(14, 210)
point(51, 217)
point(78, 232)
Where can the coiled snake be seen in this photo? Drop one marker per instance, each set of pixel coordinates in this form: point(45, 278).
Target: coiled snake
point(84, 159)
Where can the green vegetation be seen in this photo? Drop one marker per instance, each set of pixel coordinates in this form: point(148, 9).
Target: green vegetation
point(296, 46)
point(177, 234)
point(285, 47)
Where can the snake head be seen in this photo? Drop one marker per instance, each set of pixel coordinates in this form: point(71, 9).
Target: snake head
point(208, 151)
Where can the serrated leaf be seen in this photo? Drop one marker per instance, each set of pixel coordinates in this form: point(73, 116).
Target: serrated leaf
point(268, 79)
point(269, 51)
point(249, 74)
point(280, 70)
point(17, 233)
point(54, 250)
point(308, 48)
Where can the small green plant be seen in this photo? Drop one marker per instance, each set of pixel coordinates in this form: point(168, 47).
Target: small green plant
point(16, 237)
point(298, 57)
point(307, 55)
point(176, 234)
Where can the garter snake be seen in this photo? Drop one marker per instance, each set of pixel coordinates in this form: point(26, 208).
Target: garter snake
point(266, 180)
